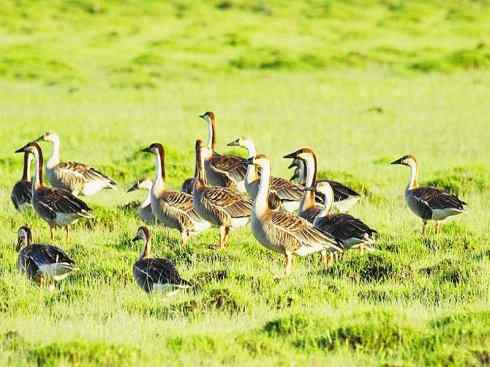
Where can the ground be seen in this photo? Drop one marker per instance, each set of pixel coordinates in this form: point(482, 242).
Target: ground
point(361, 82)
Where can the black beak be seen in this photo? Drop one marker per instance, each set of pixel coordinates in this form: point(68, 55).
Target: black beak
point(23, 149)
point(290, 156)
point(202, 116)
point(135, 239)
point(398, 161)
point(146, 150)
point(250, 161)
point(41, 138)
point(134, 187)
point(234, 143)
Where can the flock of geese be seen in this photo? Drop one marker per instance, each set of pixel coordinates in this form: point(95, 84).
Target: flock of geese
point(297, 217)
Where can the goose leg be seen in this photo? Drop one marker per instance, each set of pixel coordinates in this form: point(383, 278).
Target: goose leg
point(327, 259)
point(289, 264)
point(224, 239)
point(438, 226)
point(424, 227)
point(51, 231)
point(66, 233)
point(185, 237)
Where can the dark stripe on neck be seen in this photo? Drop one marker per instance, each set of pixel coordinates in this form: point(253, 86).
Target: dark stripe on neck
point(213, 136)
point(162, 160)
point(25, 171)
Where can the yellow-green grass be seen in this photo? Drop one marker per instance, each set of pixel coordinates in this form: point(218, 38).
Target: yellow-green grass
point(362, 82)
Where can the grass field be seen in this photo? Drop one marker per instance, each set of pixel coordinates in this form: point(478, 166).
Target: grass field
point(362, 82)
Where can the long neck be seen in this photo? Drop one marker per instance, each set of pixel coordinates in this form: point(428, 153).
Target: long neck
point(261, 201)
point(329, 198)
point(211, 134)
point(26, 173)
point(159, 183)
point(308, 200)
point(412, 183)
point(37, 181)
point(251, 169)
point(146, 250)
point(55, 156)
point(200, 172)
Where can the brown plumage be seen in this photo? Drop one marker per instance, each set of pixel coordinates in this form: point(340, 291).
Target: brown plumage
point(78, 178)
point(222, 170)
point(284, 232)
point(41, 262)
point(58, 207)
point(21, 195)
point(428, 203)
point(155, 274)
point(172, 208)
point(282, 193)
point(221, 206)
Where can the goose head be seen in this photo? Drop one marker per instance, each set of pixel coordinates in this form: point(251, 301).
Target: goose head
point(325, 190)
point(302, 154)
point(155, 148)
point(32, 148)
point(246, 143)
point(141, 184)
point(142, 234)
point(48, 136)
point(407, 160)
point(24, 237)
point(208, 117)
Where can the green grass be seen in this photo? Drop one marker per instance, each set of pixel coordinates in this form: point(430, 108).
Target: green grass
point(362, 82)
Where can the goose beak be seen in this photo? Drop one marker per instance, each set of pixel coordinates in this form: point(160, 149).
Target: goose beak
point(23, 149)
point(398, 161)
point(18, 245)
point(135, 239)
point(146, 150)
point(41, 138)
point(290, 156)
point(234, 143)
point(134, 187)
point(203, 116)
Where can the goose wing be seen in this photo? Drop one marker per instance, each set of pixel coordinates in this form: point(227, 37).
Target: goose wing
point(435, 198)
point(229, 201)
point(72, 174)
point(178, 204)
point(286, 190)
point(54, 200)
point(187, 186)
point(344, 226)
point(48, 254)
point(233, 167)
point(294, 231)
point(310, 214)
point(157, 271)
point(340, 191)
point(21, 193)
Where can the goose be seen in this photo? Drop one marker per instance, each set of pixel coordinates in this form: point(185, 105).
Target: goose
point(75, 177)
point(222, 170)
point(350, 231)
point(58, 207)
point(282, 193)
point(155, 274)
point(144, 208)
point(308, 208)
point(41, 262)
point(285, 232)
point(221, 206)
point(173, 209)
point(428, 203)
point(344, 197)
point(22, 191)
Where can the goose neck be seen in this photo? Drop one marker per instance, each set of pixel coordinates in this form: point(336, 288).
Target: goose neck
point(261, 201)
